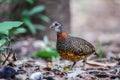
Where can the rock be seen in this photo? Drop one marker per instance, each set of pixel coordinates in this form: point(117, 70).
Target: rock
point(21, 77)
point(36, 76)
point(7, 72)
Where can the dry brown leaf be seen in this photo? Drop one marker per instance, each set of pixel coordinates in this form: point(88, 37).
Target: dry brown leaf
point(106, 64)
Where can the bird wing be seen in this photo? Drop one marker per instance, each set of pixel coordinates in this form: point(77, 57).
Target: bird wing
point(79, 46)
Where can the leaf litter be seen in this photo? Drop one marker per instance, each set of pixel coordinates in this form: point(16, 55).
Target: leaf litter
point(56, 69)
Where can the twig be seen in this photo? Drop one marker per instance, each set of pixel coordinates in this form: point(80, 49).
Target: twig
point(8, 51)
point(7, 57)
point(14, 56)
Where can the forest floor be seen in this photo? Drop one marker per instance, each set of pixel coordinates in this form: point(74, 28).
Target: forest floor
point(41, 69)
point(27, 68)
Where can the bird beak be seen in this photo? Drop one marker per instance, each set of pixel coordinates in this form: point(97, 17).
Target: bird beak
point(51, 26)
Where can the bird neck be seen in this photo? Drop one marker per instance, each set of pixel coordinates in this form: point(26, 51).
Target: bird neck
point(62, 35)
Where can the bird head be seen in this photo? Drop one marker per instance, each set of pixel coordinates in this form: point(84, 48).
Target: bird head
point(57, 26)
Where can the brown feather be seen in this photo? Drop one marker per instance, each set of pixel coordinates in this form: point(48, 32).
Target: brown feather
point(74, 48)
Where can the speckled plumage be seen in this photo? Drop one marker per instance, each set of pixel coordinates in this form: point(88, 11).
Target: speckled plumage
point(72, 48)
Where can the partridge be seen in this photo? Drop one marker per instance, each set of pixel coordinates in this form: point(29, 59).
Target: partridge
point(72, 48)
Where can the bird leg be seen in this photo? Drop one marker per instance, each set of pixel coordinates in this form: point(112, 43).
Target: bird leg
point(84, 62)
point(96, 54)
point(73, 65)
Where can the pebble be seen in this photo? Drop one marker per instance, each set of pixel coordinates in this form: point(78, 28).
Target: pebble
point(36, 76)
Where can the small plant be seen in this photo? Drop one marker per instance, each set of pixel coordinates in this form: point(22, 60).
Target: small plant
point(100, 52)
point(35, 11)
point(47, 52)
point(26, 15)
point(7, 30)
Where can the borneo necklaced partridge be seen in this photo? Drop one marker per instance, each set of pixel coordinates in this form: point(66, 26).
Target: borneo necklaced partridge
point(72, 48)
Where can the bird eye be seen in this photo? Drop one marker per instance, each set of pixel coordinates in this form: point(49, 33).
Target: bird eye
point(56, 24)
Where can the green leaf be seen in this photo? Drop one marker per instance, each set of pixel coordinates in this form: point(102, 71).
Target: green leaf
point(29, 24)
point(33, 11)
point(18, 31)
point(25, 13)
point(44, 18)
point(100, 52)
point(36, 9)
point(7, 25)
point(40, 27)
point(2, 41)
point(30, 1)
point(46, 53)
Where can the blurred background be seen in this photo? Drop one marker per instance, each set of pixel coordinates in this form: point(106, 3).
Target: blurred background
point(97, 21)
